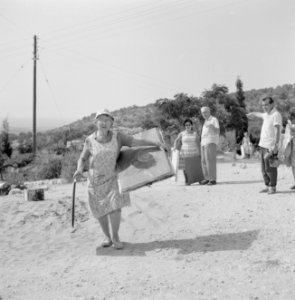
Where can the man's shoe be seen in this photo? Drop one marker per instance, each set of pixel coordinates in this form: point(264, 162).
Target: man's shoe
point(211, 182)
point(272, 190)
point(292, 187)
point(264, 190)
point(205, 181)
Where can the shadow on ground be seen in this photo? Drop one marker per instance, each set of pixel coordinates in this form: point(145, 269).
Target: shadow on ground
point(210, 243)
point(240, 182)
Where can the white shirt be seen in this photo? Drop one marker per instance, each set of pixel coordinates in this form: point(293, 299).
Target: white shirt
point(209, 136)
point(267, 136)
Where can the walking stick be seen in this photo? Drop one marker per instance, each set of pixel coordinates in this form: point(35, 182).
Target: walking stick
point(73, 203)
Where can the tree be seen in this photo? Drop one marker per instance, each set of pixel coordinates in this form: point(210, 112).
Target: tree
point(6, 147)
point(240, 96)
point(175, 111)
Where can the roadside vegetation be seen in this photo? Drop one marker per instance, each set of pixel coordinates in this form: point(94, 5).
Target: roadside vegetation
point(58, 150)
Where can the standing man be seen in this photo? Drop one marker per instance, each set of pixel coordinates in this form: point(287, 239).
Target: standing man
point(269, 142)
point(209, 142)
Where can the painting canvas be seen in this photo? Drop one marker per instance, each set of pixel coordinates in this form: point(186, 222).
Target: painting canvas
point(141, 166)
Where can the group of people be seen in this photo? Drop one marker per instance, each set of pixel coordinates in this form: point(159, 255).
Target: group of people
point(199, 149)
point(101, 150)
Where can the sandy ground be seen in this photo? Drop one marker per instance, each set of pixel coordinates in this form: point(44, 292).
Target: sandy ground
point(198, 242)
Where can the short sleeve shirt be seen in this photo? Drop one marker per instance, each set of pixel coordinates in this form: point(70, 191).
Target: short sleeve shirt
point(267, 136)
point(209, 136)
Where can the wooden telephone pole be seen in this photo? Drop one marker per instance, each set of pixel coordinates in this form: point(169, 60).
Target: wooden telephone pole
point(35, 57)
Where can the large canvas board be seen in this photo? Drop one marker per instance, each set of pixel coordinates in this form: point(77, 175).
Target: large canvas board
point(141, 166)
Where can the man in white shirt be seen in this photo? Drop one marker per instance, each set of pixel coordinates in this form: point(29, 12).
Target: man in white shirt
point(269, 142)
point(209, 142)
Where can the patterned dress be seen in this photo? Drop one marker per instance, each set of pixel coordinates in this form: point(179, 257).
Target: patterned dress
point(290, 142)
point(103, 192)
point(189, 148)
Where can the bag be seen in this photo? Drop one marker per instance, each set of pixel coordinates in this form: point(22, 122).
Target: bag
point(177, 144)
point(274, 161)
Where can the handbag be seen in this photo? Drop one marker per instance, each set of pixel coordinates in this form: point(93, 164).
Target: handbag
point(274, 161)
point(177, 144)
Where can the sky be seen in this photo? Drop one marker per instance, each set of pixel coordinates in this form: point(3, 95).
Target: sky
point(112, 54)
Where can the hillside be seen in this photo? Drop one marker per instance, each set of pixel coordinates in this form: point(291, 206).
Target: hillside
point(134, 116)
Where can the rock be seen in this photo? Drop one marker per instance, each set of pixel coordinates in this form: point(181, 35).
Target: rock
point(4, 188)
point(15, 191)
point(35, 194)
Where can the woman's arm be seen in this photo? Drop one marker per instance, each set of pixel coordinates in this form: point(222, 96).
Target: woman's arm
point(144, 142)
point(129, 141)
point(178, 142)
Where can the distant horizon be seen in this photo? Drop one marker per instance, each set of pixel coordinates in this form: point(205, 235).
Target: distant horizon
point(18, 125)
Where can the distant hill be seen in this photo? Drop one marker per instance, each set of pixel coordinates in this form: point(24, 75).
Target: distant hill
point(134, 116)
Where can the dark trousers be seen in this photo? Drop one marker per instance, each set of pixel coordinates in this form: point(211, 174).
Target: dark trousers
point(269, 173)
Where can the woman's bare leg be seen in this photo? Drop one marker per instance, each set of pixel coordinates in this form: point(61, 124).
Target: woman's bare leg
point(115, 219)
point(104, 223)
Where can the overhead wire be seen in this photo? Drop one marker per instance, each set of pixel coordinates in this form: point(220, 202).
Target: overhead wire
point(106, 32)
point(50, 89)
point(4, 87)
point(121, 69)
point(126, 73)
point(14, 24)
point(100, 28)
point(100, 19)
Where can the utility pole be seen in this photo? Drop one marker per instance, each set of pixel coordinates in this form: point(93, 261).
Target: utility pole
point(35, 57)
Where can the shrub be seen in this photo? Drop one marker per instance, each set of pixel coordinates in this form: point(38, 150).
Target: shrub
point(50, 170)
point(20, 160)
point(15, 178)
point(25, 148)
point(69, 165)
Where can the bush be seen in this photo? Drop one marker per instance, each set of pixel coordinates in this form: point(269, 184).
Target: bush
point(25, 148)
point(50, 170)
point(20, 160)
point(14, 178)
point(69, 165)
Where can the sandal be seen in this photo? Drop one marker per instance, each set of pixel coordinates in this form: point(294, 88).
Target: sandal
point(107, 242)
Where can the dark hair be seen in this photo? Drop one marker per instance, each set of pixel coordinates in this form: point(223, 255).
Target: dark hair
point(292, 113)
point(268, 98)
point(187, 121)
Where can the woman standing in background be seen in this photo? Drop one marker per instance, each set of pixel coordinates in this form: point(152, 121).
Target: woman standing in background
point(289, 143)
point(188, 142)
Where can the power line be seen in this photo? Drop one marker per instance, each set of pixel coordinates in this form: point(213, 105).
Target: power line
point(134, 19)
point(103, 32)
point(12, 77)
point(124, 72)
point(14, 24)
point(50, 88)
